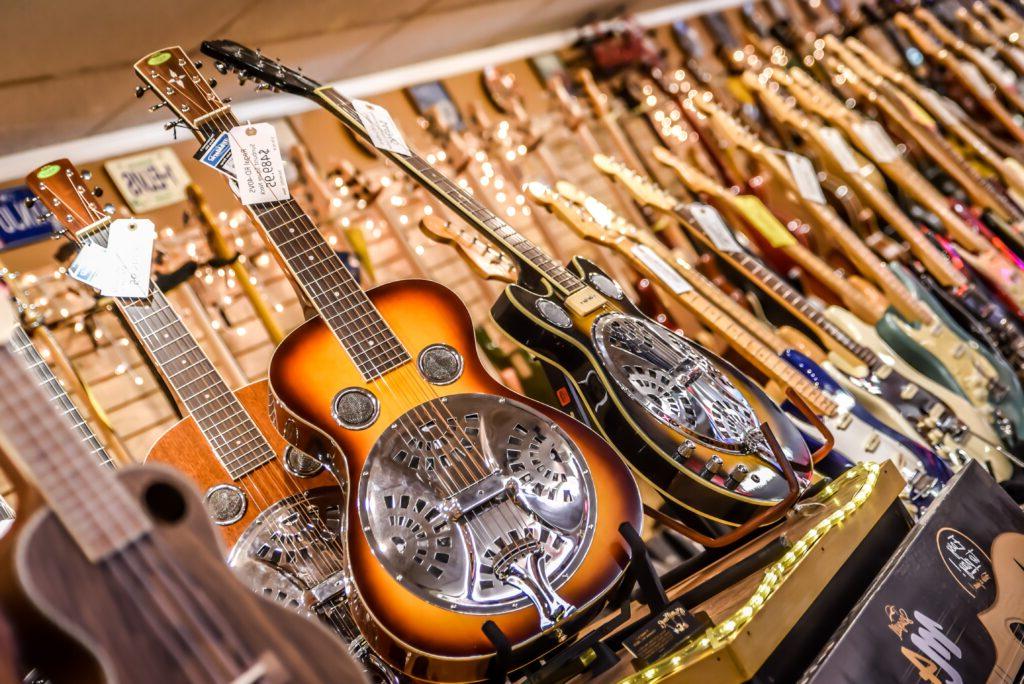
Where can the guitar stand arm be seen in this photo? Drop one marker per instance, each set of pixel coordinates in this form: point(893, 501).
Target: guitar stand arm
point(769, 515)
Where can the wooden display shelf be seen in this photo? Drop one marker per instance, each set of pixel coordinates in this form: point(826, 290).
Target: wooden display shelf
point(776, 641)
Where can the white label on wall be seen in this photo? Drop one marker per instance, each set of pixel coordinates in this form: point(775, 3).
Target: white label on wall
point(150, 180)
point(806, 177)
point(661, 268)
point(382, 128)
point(259, 167)
point(712, 223)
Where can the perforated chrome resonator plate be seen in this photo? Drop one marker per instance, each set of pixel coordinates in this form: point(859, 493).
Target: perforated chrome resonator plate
point(674, 381)
point(292, 552)
point(481, 538)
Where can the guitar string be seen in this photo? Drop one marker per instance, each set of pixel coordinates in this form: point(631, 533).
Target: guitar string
point(247, 481)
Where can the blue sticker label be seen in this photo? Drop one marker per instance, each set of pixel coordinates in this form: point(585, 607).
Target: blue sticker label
point(216, 153)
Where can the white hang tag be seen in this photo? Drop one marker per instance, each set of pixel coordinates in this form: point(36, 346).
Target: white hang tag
point(258, 164)
point(878, 143)
point(664, 271)
point(977, 81)
point(938, 107)
point(1001, 72)
point(806, 177)
point(130, 248)
point(383, 131)
point(92, 266)
point(712, 223)
point(839, 148)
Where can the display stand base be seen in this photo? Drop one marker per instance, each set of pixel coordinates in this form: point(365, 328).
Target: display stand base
point(773, 601)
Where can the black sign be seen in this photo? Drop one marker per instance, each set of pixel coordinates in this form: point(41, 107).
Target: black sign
point(949, 605)
point(665, 632)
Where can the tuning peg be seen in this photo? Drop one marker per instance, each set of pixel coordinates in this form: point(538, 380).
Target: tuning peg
point(141, 90)
point(86, 174)
point(262, 86)
point(31, 201)
point(173, 124)
point(108, 209)
point(221, 67)
point(226, 100)
point(213, 82)
point(198, 64)
point(45, 216)
point(157, 106)
point(97, 191)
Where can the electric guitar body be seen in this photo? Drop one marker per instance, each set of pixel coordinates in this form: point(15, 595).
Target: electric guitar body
point(80, 621)
point(616, 359)
point(430, 571)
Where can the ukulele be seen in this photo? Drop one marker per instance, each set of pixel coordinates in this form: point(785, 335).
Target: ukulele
point(120, 578)
point(472, 509)
point(685, 420)
point(278, 510)
point(903, 398)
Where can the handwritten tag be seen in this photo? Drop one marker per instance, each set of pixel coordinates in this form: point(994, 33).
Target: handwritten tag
point(839, 148)
point(130, 242)
point(258, 164)
point(876, 141)
point(712, 223)
point(806, 177)
point(383, 131)
point(668, 276)
point(764, 221)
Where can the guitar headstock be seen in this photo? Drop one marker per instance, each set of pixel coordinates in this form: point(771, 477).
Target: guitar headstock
point(690, 175)
point(773, 99)
point(813, 96)
point(644, 190)
point(918, 34)
point(175, 79)
point(937, 28)
point(597, 97)
point(486, 260)
point(727, 123)
point(600, 212)
point(251, 64)
point(569, 213)
point(63, 190)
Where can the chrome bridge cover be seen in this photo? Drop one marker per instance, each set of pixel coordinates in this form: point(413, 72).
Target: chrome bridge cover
point(502, 537)
point(675, 382)
point(292, 553)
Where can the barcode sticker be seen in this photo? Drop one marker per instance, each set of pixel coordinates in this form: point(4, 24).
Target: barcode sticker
point(712, 223)
point(258, 164)
point(806, 177)
point(383, 131)
point(216, 153)
point(876, 141)
point(663, 270)
point(837, 145)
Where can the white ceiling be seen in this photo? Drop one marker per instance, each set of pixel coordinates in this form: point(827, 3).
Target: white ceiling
point(67, 64)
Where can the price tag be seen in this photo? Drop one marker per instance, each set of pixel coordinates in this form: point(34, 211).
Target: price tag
point(977, 81)
point(764, 221)
point(130, 242)
point(382, 128)
point(839, 148)
point(1004, 75)
point(806, 177)
point(122, 268)
point(668, 276)
point(939, 107)
point(712, 223)
point(258, 164)
point(877, 142)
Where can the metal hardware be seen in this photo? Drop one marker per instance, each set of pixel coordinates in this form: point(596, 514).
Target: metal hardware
point(440, 364)
point(355, 408)
point(225, 504)
point(553, 313)
point(300, 464)
point(605, 285)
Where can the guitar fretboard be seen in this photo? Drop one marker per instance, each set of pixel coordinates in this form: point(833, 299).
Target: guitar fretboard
point(21, 344)
point(319, 271)
point(462, 203)
point(237, 442)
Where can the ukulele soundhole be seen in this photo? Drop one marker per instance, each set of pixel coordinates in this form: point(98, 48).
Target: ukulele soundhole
point(478, 504)
point(674, 382)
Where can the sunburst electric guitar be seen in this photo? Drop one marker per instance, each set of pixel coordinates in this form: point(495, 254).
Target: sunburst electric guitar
point(469, 504)
point(687, 422)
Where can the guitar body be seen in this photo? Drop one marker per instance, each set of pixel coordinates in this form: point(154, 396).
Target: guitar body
point(648, 443)
point(184, 448)
point(112, 621)
point(1004, 620)
point(398, 611)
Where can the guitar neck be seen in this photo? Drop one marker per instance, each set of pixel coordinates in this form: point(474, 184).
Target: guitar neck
point(239, 445)
point(323, 277)
point(93, 507)
point(21, 344)
point(457, 199)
